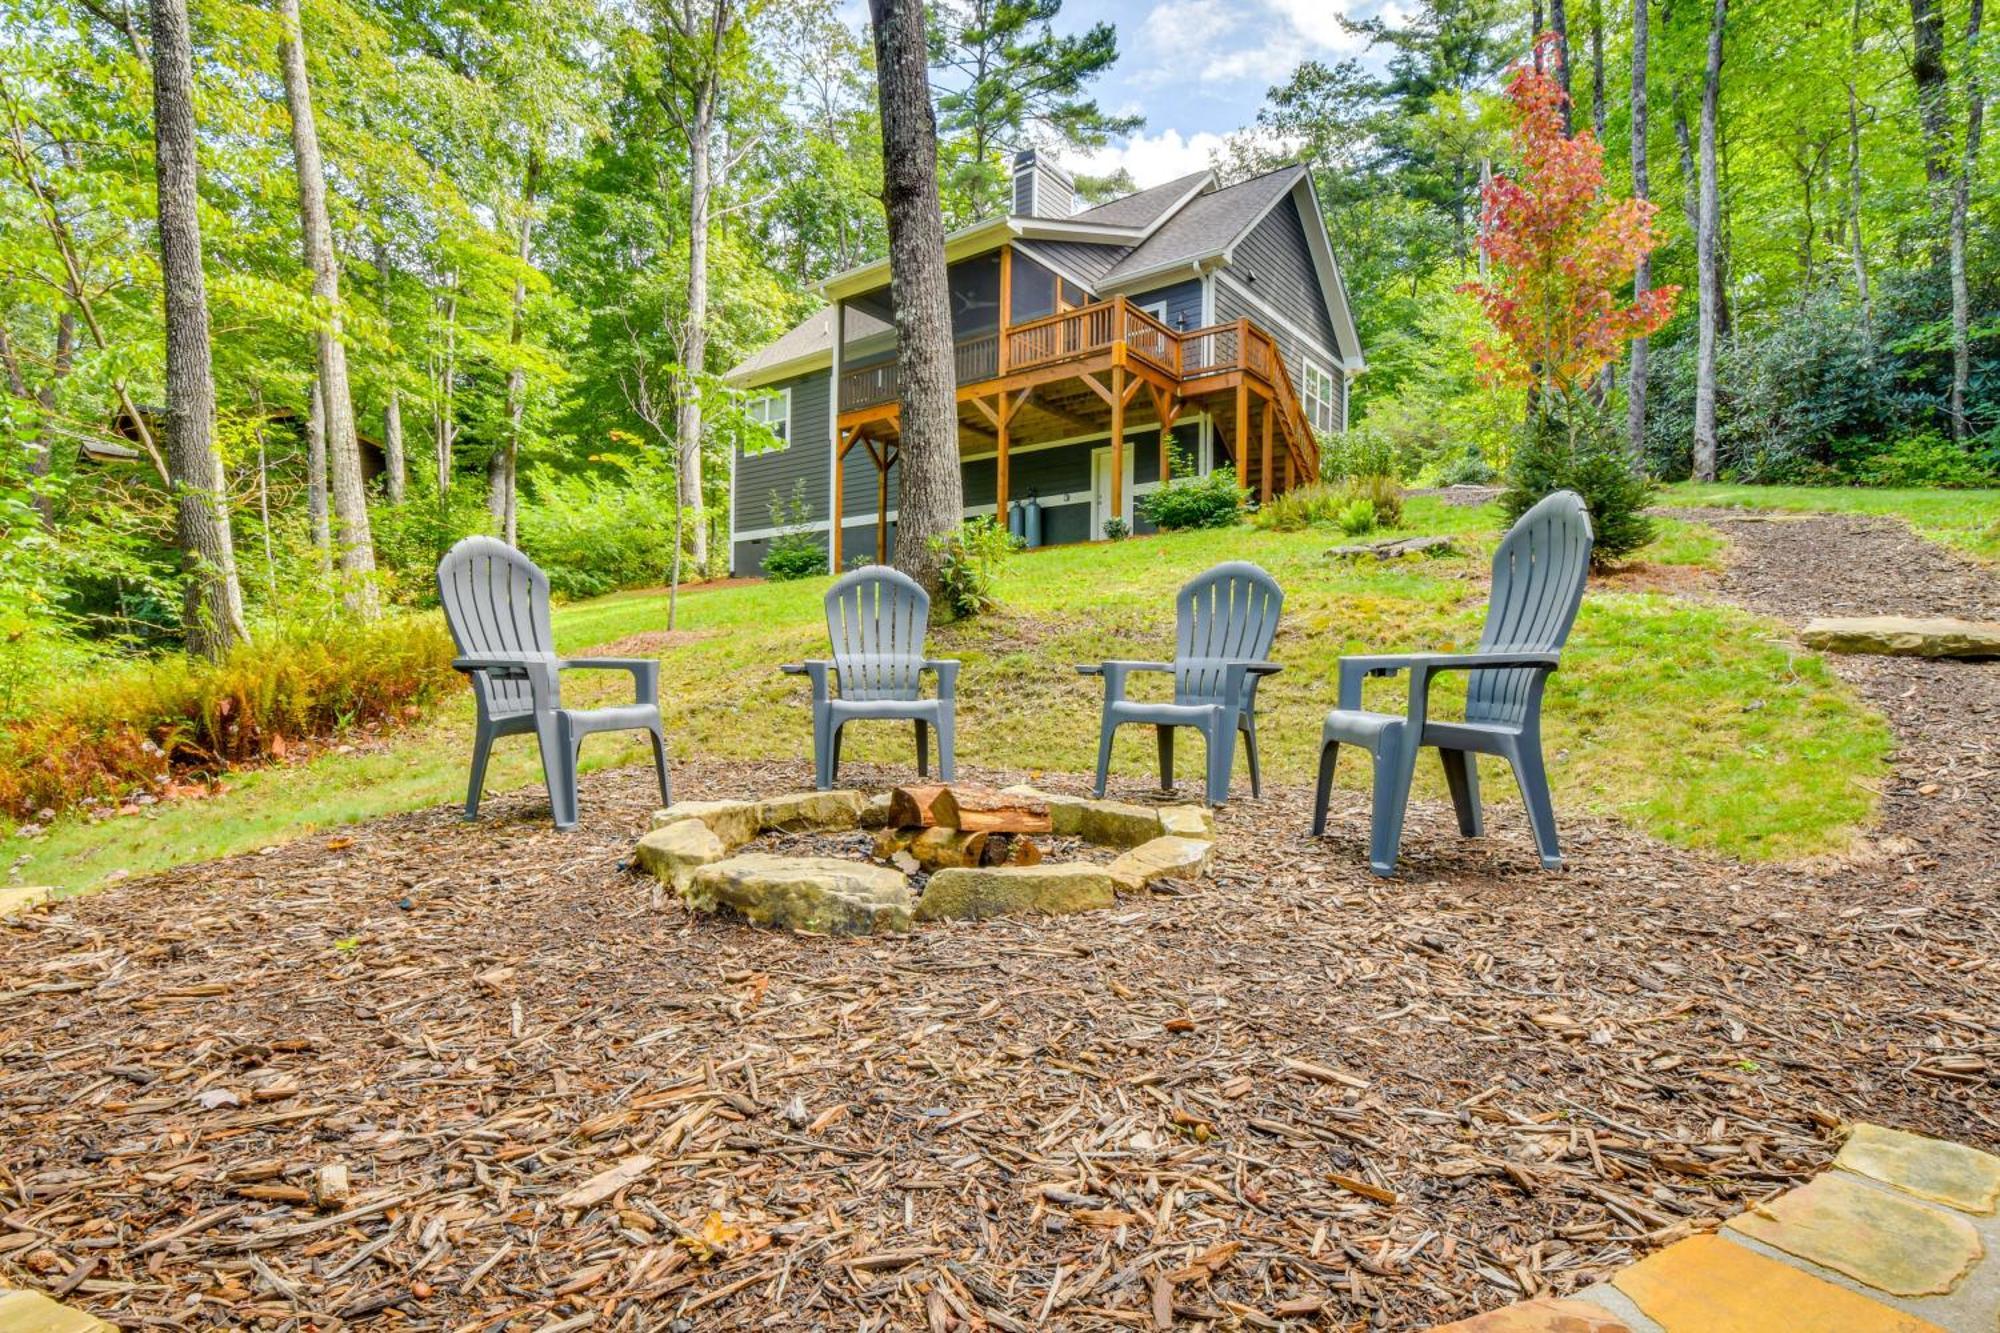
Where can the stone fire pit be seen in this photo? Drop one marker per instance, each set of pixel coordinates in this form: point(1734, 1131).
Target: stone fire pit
point(847, 863)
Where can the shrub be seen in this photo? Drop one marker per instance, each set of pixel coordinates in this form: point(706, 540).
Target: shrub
point(1383, 494)
point(148, 722)
point(1467, 469)
point(1585, 456)
point(1357, 517)
point(1368, 450)
point(598, 532)
point(1301, 507)
point(1926, 458)
point(795, 552)
point(967, 561)
point(1116, 529)
point(1213, 501)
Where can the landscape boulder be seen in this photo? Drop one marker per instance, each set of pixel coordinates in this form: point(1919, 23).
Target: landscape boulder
point(1188, 821)
point(975, 895)
point(1167, 857)
point(673, 852)
point(1107, 823)
point(811, 812)
point(819, 894)
point(1904, 636)
point(735, 822)
point(1402, 548)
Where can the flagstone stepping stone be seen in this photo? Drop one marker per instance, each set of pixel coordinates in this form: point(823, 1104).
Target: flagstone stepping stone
point(1545, 1316)
point(735, 822)
point(20, 897)
point(1107, 823)
point(1706, 1284)
point(820, 894)
point(811, 812)
point(673, 853)
point(975, 895)
point(1932, 1169)
point(1874, 1236)
point(1904, 636)
point(1168, 857)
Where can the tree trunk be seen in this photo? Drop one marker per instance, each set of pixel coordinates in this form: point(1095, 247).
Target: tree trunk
point(1709, 271)
point(1933, 97)
point(343, 450)
point(932, 496)
point(693, 349)
point(1607, 379)
point(397, 465)
point(1559, 25)
point(503, 499)
point(212, 605)
point(1961, 196)
point(322, 530)
point(1642, 273)
point(444, 422)
point(1858, 249)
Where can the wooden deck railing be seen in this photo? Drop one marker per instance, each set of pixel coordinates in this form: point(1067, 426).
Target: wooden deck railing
point(1073, 335)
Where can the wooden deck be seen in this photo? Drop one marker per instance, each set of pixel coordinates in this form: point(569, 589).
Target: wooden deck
point(1109, 367)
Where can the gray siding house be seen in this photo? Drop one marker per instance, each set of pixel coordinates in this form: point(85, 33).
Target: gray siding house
point(1191, 321)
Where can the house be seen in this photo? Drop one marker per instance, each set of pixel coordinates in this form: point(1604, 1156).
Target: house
point(1209, 315)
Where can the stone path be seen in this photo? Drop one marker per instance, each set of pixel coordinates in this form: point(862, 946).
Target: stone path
point(1899, 1237)
point(32, 1312)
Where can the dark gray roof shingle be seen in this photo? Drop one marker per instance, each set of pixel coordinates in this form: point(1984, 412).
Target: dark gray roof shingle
point(1141, 209)
point(1207, 225)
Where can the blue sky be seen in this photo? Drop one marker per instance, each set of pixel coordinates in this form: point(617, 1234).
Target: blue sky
point(1197, 70)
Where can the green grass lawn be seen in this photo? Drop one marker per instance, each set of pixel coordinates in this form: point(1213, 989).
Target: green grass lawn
point(1967, 520)
point(1695, 722)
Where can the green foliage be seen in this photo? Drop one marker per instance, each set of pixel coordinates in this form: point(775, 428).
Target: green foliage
point(1356, 517)
point(1925, 458)
point(796, 552)
point(1188, 501)
point(1368, 450)
point(142, 725)
point(1582, 454)
point(594, 534)
point(968, 564)
point(1301, 507)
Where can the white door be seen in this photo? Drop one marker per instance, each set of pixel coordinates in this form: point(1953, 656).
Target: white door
point(1100, 491)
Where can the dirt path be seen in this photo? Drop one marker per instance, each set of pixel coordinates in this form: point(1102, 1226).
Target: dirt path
point(1294, 1097)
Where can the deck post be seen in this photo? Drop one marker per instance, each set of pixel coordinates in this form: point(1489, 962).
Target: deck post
point(881, 457)
point(1118, 434)
point(1003, 419)
point(1006, 306)
point(839, 496)
point(1241, 448)
point(1264, 466)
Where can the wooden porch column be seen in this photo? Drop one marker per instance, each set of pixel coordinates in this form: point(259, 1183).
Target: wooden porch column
point(1242, 446)
point(882, 459)
point(1264, 466)
point(839, 498)
point(1002, 419)
point(1118, 439)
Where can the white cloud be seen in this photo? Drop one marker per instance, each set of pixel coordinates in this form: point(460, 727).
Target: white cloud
point(1153, 159)
point(1232, 41)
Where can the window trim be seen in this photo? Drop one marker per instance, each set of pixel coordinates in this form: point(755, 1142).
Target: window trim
point(1328, 401)
point(757, 405)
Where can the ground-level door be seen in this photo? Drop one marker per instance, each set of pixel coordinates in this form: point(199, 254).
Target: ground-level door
point(1100, 490)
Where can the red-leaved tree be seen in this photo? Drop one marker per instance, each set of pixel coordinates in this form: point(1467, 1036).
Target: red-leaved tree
point(1559, 251)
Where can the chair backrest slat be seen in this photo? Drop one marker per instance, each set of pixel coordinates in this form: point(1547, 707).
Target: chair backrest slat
point(497, 604)
point(876, 620)
point(1228, 614)
point(1539, 572)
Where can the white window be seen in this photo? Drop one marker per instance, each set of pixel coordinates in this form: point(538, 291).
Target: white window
point(775, 412)
point(1322, 398)
point(1157, 309)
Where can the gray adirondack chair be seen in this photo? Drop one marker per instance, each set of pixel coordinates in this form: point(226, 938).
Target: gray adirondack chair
point(877, 620)
point(1538, 578)
point(1225, 620)
point(497, 604)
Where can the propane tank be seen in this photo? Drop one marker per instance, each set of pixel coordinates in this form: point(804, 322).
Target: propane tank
point(1016, 522)
point(1031, 521)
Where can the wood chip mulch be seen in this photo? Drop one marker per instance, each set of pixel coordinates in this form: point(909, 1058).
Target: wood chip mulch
point(1293, 1096)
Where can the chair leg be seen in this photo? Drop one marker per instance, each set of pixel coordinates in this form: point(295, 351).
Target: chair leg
point(947, 730)
point(1329, 754)
point(1249, 727)
point(826, 752)
point(923, 749)
point(1534, 781)
point(1165, 737)
point(1461, 774)
point(1221, 729)
point(482, 747)
point(559, 747)
point(659, 740)
point(1104, 734)
point(1395, 764)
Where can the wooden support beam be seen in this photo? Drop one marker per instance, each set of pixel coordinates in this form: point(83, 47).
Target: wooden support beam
point(1006, 300)
point(1241, 448)
point(1097, 386)
point(1264, 464)
point(1000, 462)
point(1118, 398)
point(839, 489)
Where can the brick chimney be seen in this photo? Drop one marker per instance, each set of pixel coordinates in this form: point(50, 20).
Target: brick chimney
point(1041, 188)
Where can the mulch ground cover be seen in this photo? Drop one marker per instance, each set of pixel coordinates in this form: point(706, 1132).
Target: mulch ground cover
point(1291, 1096)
